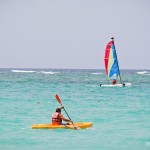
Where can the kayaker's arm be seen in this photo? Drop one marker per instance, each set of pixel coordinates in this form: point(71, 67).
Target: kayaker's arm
point(64, 119)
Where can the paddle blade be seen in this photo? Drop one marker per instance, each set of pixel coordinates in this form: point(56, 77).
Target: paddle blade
point(75, 128)
point(58, 99)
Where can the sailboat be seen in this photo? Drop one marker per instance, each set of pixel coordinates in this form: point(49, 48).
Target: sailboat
point(112, 67)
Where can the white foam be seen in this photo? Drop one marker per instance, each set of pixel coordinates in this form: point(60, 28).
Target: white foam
point(141, 72)
point(23, 71)
point(97, 73)
point(49, 72)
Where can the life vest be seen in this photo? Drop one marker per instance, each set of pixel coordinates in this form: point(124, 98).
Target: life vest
point(55, 119)
point(114, 82)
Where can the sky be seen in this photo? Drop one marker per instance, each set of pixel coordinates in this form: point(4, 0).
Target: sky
point(72, 34)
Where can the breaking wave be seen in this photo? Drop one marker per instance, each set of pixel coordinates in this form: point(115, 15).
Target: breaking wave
point(49, 72)
point(97, 73)
point(142, 72)
point(23, 71)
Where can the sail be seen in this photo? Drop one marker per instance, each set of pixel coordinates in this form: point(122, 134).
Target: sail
point(111, 62)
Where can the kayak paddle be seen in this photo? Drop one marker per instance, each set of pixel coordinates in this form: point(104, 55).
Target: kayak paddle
point(59, 101)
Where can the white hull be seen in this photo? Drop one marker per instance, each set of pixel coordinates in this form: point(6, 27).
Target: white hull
point(116, 85)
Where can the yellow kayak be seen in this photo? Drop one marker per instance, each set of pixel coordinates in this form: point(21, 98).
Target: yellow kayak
point(81, 125)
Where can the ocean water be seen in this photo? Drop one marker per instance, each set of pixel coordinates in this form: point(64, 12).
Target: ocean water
point(120, 115)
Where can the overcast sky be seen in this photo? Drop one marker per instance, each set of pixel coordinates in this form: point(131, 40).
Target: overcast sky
point(73, 33)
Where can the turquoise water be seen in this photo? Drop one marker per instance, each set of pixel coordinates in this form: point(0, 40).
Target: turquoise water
point(121, 116)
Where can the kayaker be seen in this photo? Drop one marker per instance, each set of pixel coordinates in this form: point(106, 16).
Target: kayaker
point(57, 118)
point(114, 82)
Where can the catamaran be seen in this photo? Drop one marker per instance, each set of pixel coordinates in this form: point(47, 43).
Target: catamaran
point(112, 67)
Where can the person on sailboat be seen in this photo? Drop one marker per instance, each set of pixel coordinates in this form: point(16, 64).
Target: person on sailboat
point(114, 82)
point(112, 39)
point(57, 118)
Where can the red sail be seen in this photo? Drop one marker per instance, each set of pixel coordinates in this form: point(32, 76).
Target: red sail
point(106, 57)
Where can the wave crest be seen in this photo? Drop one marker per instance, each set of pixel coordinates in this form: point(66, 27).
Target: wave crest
point(97, 73)
point(23, 71)
point(49, 72)
point(142, 72)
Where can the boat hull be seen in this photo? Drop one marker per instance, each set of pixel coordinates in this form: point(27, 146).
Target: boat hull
point(116, 85)
point(81, 125)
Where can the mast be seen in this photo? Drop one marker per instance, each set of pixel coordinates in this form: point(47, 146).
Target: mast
point(112, 39)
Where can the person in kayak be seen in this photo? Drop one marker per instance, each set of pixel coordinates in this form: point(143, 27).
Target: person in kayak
point(57, 118)
point(114, 82)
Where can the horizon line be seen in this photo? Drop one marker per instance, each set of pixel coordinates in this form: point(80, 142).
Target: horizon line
point(66, 68)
